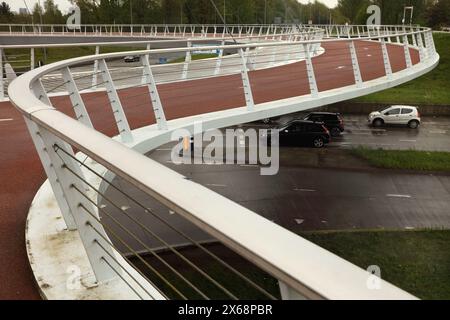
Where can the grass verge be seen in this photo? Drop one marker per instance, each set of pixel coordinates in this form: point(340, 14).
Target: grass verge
point(407, 159)
point(430, 89)
point(194, 57)
point(416, 261)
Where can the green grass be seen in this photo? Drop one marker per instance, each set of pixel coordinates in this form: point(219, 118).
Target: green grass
point(199, 56)
point(416, 261)
point(430, 89)
point(409, 159)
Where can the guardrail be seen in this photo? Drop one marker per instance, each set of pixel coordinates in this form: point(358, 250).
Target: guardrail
point(153, 30)
point(29, 60)
point(302, 269)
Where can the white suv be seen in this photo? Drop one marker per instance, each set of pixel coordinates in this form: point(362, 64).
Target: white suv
point(405, 115)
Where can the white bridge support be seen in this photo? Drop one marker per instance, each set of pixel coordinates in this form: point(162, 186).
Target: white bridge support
point(187, 61)
point(386, 60)
point(154, 95)
point(355, 65)
point(116, 105)
point(219, 59)
point(75, 98)
point(310, 71)
point(407, 53)
point(246, 81)
point(95, 71)
point(88, 226)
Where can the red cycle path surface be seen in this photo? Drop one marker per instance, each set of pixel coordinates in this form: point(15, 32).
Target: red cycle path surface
point(21, 173)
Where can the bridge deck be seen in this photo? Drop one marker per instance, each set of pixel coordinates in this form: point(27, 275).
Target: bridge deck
point(21, 172)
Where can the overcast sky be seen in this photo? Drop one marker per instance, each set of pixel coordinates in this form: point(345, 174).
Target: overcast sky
point(64, 5)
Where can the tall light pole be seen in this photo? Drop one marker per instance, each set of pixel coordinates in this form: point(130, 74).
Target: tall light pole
point(225, 11)
point(265, 11)
point(181, 11)
point(131, 12)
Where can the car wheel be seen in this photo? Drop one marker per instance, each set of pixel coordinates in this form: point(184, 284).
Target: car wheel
point(335, 132)
point(414, 124)
point(378, 123)
point(318, 143)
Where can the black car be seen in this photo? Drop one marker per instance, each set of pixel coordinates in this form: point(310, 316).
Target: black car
point(132, 59)
point(332, 121)
point(301, 132)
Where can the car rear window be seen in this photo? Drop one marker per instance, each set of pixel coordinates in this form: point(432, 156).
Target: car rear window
point(407, 111)
point(331, 117)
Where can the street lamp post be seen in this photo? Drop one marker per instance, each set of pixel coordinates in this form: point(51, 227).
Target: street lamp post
point(131, 12)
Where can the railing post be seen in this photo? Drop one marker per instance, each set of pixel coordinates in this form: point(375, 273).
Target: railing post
point(51, 174)
point(431, 42)
point(75, 98)
point(355, 65)
point(32, 62)
point(310, 70)
point(414, 40)
point(2, 87)
point(407, 53)
point(47, 164)
point(116, 105)
point(419, 42)
point(154, 95)
point(288, 293)
point(187, 61)
point(77, 202)
point(144, 74)
point(387, 62)
point(219, 59)
point(246, 82)
point(94, 75)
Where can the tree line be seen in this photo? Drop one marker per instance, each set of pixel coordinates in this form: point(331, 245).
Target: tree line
point(435, 13)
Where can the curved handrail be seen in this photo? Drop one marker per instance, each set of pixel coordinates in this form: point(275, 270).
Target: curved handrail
point(310, 278)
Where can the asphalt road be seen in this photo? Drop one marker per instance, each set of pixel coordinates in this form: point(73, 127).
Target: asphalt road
point(432, 135)
point(297, 198)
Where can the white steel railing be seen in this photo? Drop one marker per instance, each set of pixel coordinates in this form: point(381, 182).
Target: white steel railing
point(28, 60)
point(302, 269)
point(148, 30)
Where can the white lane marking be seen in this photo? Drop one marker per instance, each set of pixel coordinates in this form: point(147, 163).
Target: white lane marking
point(369, 55)
point(4, 120)
point(171, 212)
point(409, 228)
point(411, 141)
point(399, 196)
point(124, 208)
point(438, 131)
point(299, 221)
point(340, 67)
point(305, 190)
point(164, 149)
point(216, 185)
point(324, 221)
point(361, 133)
